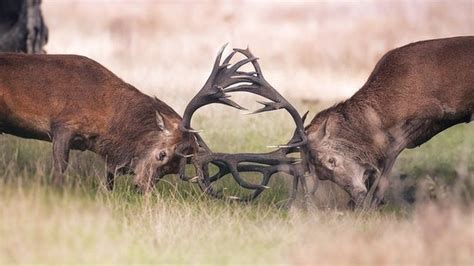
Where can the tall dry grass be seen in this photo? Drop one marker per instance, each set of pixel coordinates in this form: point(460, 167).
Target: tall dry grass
point(41, 225)
point(177, 224)
point(434, 235)
point(316, 50)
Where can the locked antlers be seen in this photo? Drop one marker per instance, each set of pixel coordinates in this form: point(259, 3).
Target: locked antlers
point(226, 78)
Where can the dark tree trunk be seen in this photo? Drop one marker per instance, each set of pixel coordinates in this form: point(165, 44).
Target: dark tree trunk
point(22, 28)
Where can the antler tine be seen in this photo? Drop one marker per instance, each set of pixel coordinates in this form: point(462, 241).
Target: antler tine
point(267, 172)
point(268, 106)
point(239, 64)
point(218, 59)
point(256, 78)
point(205, 181)
point(228, 58)
point(249, 54)
point(259, 86)
point(305, 115)
point(296, 142)
point(212, 91)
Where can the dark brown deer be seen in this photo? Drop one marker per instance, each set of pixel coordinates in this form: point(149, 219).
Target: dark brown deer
point(414, 92)
point(76, 103)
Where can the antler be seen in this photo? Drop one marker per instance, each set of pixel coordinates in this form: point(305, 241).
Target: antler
point(214, 90)
point(224, 79)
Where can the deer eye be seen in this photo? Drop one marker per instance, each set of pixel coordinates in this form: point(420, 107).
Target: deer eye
point(161, 156)
point(332, 162)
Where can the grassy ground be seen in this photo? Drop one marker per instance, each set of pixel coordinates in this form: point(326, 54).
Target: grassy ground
point(41, 225)
point(177, 224)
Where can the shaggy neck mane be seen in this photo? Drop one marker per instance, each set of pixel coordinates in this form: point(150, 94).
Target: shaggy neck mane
point(350, 125)
point(136, 120)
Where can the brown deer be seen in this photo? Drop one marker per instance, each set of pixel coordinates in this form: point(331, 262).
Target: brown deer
point(76, 103)
point(414, 92)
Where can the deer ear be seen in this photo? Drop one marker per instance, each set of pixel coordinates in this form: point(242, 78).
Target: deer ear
point(322, 131)
point(160, 121)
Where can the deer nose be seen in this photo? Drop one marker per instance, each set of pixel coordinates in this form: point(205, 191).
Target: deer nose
point(359, 193)
point(161, 156)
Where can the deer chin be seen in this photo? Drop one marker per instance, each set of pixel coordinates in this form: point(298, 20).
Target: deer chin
point(354, 186)
point(357, 197)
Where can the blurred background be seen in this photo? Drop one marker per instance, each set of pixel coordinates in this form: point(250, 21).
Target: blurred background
point(309, 50)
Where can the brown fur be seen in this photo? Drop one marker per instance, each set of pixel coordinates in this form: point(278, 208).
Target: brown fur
point(78, 104)
point(414, 92)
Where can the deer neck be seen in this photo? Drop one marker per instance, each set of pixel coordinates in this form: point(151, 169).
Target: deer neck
point(372, 132)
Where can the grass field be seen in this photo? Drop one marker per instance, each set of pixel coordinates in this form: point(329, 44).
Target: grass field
point(177, 224)
point(314, 53)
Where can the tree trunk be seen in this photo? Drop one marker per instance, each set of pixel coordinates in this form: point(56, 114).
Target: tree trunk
point(22, 28)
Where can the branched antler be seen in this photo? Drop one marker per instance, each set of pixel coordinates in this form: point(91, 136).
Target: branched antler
point(224, 79)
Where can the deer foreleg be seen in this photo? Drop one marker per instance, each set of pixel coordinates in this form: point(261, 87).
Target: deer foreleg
point(61, 146)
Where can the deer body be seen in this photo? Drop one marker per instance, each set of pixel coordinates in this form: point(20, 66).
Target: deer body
point(413, 93)
point(76, 103)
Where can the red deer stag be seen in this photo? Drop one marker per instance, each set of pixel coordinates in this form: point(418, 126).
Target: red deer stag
point(414, 92)
point(76, 103)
